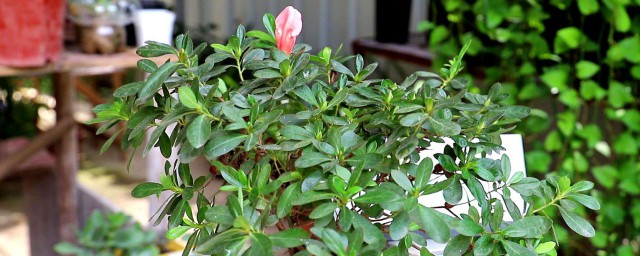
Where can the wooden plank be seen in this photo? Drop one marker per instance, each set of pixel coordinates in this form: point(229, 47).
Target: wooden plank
point(67, 157)
point(17, 154)
point(40, 204)
point(82, 63)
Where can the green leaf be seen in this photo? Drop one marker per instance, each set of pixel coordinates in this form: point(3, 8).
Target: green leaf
point(269, 24)
point(483, 246)
point(372, 234)
point(586, 69)
point(423, 173)
point(310, 158)
point(296, 132)
point(625, 144)
point(154, 49)
point(545, 248)
point(311, 196)
point(198, 131)
point(444, 127)
point(260, 245)
point(528, 227)
point(188, 98)
point(631, 119)
point(377, 196)
point(323, 210)
point(556, 78)
point(400, 226)
point(458, 246)
point(586, 200)
point(401, 179)
point(619, 94)
point(147, 65)
point(146, 189)
point(289, 238)
point(588, 7)
point(413, 119)
point(468, 227)
point(177, 232)
point(338, 67)
point(518, 112)
point(453, 193)
point(438, 34)
point(606, 175)
point(447, 163)
point(233, 114)
point(284, 201)
point(577, 223)
point(496, 218)
point(110, 141)
point(431, 222)
point(581, 186)
point(516, 249)
point(220, 145)
point(622, 21)
point(128, 89)
point(223, 242)
point(155, 80)
point(334, 241)
point(570, 36)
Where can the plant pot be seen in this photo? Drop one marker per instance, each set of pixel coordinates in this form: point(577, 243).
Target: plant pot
point(154, 25)
point(32, 32)
point(392, 21)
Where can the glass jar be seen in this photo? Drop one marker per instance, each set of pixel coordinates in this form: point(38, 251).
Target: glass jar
point(100, 23)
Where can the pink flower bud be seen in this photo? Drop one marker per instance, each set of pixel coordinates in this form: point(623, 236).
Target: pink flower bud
point(288, 27)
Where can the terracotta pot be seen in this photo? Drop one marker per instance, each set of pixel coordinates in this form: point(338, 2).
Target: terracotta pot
point(32, 32)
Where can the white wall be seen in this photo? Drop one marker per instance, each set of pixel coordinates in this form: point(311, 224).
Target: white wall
point(325, 22)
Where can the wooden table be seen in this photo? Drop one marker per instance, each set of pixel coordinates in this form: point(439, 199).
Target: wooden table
point(64, 137)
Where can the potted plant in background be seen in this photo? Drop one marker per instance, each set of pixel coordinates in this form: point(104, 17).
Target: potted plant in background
point(318, 160)
point(113, 234)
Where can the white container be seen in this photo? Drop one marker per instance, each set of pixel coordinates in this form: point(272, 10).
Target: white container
point(154, 25)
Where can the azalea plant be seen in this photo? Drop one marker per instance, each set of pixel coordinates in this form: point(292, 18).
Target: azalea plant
point(318, 159)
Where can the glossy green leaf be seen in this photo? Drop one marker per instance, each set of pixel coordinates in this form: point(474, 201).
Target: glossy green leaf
point(528, 227)
point(577, 223)
point(198, 131)
point(220, 145)
point(187, 97)
point(431, 222)
point(516, 249)
point(289, 238)
point(586, 69)
point(309, 159)
point(458, 246)
point(155, 80)
point(260, 245)
point(177, 232)
point(146, 189)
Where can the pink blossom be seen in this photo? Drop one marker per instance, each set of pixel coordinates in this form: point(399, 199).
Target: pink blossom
point(288, 27)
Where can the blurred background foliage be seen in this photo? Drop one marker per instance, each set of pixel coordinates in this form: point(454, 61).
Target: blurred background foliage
point(577, 62)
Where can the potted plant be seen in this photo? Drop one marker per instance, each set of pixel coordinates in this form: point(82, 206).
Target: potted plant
point(319, 160)
point(113, 234)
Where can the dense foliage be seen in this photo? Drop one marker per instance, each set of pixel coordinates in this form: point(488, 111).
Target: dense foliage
point(579, 62)
point(318, 159)
point(113, 234)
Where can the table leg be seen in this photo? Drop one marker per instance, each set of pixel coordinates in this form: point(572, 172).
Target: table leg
point(66, 152)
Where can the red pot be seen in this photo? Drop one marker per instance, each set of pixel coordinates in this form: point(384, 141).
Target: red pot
point(32, 32)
